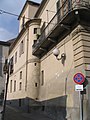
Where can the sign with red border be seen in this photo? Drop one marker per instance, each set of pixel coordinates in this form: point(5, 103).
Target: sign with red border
point(79, 78)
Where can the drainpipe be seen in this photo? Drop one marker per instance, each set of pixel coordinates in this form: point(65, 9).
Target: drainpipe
point(27, 59)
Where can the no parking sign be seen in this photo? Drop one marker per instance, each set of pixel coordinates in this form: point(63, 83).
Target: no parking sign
point(79, 78)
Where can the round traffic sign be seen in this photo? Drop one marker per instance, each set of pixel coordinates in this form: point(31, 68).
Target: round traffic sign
point(79, 78)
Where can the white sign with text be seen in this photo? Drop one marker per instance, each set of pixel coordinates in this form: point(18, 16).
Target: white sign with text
point(78, 87)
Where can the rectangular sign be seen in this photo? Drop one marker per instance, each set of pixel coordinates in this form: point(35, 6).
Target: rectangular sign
point(78, 87)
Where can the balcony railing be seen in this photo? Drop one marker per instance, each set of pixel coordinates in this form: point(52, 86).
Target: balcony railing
point(66, 8)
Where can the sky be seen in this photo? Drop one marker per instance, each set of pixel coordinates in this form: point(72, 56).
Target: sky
point(8, 23)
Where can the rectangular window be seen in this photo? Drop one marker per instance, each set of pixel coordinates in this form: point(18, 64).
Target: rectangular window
point(11, 65)
point(21, 48)
point(42, 77)
point(58, 5)
point(15, 57)
point(65, 7)
point(35, 30)
point(20, 74)
point(14, 85)
point(10, 86)
point(23, 22)
point(20, 102)
point(20, 86)
point(36, 84)
point(58, 9)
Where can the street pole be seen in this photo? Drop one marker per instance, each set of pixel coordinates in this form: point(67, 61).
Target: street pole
point(6, 71)
point(4, 103)
point(81, 105)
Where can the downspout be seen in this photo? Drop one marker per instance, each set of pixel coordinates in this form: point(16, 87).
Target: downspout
point(27, 59)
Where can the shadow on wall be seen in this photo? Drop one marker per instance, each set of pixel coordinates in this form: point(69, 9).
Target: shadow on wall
point(54, 108)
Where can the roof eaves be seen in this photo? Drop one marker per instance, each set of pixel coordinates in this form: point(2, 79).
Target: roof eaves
point(4, 43)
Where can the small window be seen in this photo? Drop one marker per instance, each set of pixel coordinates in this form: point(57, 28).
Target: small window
point(10, 86)
point(58, 5)
point(43, 108)
point(14, 85)
point(23, 22)
point(35, 41)
point(15, 57)
point(35, 30)
point(20, 102)
point(21, 51)
point(20, 74)
point(20, 86)
point(42, 77)
point(36, 84)
point(35, 64)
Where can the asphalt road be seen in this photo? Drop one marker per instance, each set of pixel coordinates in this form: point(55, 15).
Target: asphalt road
point(13, 114)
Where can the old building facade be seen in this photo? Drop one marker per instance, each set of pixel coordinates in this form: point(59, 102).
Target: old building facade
point(38, 81)
point(4, 48)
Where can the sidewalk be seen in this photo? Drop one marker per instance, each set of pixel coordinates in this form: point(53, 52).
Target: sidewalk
point(14, 114)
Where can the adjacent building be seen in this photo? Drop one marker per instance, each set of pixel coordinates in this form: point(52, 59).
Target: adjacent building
point(40, 82)
point(4, 49)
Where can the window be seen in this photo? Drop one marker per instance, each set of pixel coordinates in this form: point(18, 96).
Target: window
point(35, 64)
point(20, 102)
point(65, 9)
point(15, 57)
point(10, 86)
point(66, 6)
point(36, 84)
point(21, 48)
point(14, 85)
point(20, 74)
point(42, 77)
point(11, 65)
point(35, 30)
point(23, 22)
point(35, 41)
point(58, 5)
point(58, 9)
point(20, 86)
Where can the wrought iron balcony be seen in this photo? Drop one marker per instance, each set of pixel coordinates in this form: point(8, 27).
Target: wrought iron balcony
point(71, 13)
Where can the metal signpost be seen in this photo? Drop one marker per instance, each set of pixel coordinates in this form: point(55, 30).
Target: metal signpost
point(79, 79)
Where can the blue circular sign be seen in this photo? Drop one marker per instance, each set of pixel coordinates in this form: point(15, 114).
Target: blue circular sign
point(79, 78)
